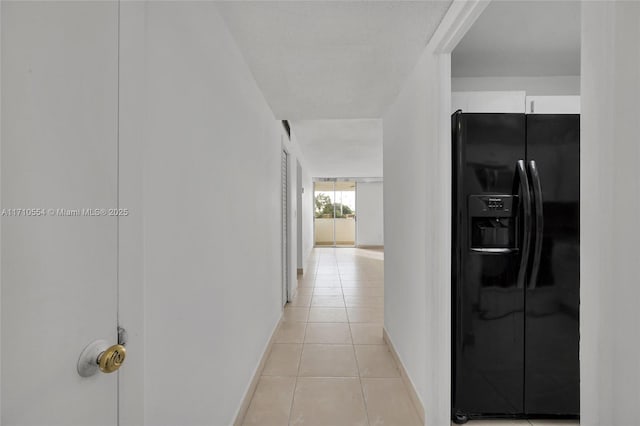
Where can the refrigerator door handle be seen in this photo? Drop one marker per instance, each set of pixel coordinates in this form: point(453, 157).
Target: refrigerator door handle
point(539, 222)
point(494, 250)
point(525, 197)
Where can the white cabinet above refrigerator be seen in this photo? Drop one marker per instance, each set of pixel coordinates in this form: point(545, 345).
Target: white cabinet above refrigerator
point(513, 102)
point(487, 102)
point(553, 104)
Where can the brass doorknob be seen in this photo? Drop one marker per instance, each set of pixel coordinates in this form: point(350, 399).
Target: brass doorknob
point(99, 356)
point(111, 359)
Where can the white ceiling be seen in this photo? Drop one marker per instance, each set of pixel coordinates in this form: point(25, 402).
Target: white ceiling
point(331, 59)
point(341, 148)
point(521, 38)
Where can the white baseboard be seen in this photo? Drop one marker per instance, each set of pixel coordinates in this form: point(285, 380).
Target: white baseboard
point(405, 377)
point(368, 246)
point(248, 396)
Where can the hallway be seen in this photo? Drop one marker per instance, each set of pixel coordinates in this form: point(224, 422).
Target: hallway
point(329, 364)
point(159, 162)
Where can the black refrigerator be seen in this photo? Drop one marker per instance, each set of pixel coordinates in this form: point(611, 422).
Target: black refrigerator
point(515, 266)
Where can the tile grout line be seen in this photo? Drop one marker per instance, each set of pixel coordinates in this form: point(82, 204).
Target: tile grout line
point(304, 336)
point(355, 356)
point(299, 360)
point(348, 323)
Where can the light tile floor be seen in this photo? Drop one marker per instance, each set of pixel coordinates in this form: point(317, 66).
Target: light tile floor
point(329, 365)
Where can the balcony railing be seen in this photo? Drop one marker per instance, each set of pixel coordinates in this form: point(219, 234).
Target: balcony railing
point(345, 231)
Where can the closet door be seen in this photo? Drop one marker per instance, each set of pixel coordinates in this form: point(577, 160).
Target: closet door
point(284, 171)
point(59, 259)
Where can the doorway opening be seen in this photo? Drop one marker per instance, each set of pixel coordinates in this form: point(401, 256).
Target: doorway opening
point(335, 213)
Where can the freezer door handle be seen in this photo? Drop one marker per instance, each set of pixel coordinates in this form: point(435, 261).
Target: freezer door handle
point(522, 186)
point(536, 186)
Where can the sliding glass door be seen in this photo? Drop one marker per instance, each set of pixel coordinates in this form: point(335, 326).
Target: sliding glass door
point(324, 214)
point(335, 212)
point(345, 213)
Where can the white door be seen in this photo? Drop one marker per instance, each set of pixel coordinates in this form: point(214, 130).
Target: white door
point(284, 173)
point(59, 151)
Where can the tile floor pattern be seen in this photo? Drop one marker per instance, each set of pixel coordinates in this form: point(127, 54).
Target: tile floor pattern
point(329, 365)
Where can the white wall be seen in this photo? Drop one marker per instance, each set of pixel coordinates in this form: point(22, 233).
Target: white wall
point(610, 207)
point(308, 207)
point(534, 86)
point(211, 155)
point(417, 237)
point(308, 211)
point(369, 208)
